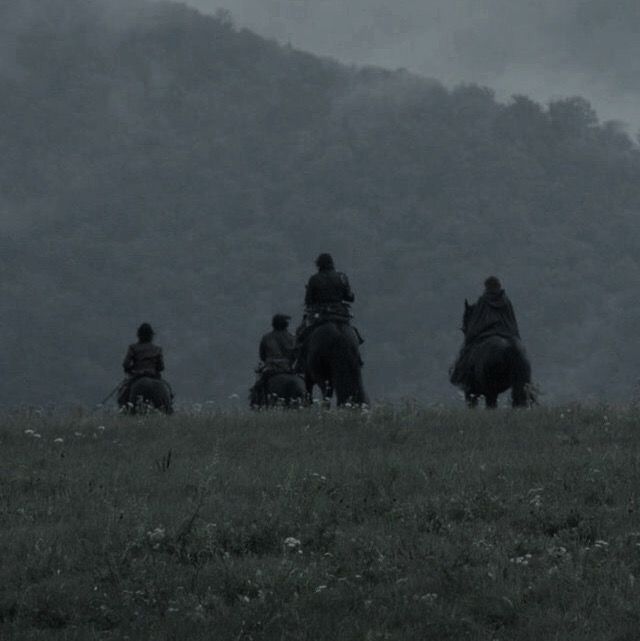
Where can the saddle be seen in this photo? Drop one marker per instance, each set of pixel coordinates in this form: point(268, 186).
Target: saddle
point(274, 366)
point(328, 313)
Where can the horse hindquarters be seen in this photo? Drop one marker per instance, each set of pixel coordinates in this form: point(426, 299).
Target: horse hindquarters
point(287, 389)
point(520, 376)
point(334, 363)
point(151, 393)
point(347, 370)
point(490, 369)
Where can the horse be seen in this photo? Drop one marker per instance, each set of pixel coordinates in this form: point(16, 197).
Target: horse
point(149, 393)
point(284, 389)
point(492, 365)
point(333, 363)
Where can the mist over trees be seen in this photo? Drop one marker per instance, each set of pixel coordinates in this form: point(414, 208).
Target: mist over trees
point(159, 165)
point(545, 48)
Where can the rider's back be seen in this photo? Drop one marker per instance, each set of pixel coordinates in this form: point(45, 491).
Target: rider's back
point(493, 316)
point(144, 359)
point(328, 287)
point(277, 345)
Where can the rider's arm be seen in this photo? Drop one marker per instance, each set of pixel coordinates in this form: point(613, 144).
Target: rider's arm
point(309, 297)
point(159, 361)
point(128, 362)
point(515, 322)
point(263, 350)
point(347, 294)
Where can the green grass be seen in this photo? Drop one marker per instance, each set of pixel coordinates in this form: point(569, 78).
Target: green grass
point(395, 524)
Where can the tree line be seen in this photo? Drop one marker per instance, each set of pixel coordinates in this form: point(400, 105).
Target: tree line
point(161, 165)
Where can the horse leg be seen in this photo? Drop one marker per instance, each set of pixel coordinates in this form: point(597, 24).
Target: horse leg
point(519, 396)
point(327, 393)
point(471, 400)
point(308, 386)
point(329, 390)
point(491, 401)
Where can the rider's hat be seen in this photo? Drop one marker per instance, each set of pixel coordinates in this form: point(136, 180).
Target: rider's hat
point(493, 284)
point(324, 261)
point(280, 321)
point(145, 332)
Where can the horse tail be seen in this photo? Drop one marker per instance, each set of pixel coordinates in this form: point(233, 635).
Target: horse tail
point(521, 392)
point(347, 372)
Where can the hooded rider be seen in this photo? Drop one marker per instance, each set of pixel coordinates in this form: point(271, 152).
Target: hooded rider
point(492, 315)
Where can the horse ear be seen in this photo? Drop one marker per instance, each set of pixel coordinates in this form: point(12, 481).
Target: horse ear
point(466, 304)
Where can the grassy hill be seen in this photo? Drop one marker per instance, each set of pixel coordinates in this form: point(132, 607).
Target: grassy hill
point(398, 524)
point(159, 165)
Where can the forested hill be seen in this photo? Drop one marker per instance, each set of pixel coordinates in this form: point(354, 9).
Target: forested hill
point(159, 165)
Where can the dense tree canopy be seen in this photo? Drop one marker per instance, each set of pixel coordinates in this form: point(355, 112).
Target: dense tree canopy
point(159, 165)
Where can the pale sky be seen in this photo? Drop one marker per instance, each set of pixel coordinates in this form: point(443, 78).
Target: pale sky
point(543, 48)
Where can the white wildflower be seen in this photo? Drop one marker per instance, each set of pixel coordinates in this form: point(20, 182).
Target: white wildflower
point(157, 535)
point(521, 560)
point(29, 432)
point(292, 543)
point(58, 440)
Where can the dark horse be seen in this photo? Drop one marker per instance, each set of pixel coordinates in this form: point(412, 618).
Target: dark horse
point(333, 363)
point(149, 393)
point(283, 389)
point(491, 365)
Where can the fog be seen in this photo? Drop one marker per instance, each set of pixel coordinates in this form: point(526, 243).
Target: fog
point(166, 167)
point(542, 48)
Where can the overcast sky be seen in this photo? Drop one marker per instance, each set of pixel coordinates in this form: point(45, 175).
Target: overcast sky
point(544, 48)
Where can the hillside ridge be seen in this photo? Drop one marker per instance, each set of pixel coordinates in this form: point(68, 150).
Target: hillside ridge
point(165, 166)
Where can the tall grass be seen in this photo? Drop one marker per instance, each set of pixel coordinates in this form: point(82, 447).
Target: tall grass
point(397, 523)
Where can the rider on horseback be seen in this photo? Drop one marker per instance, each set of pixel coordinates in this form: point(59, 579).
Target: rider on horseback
point(143, 359)
point(276, 354)
point(327, 299)
point(492, 315)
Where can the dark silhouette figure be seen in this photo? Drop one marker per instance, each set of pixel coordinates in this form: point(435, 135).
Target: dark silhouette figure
point(277, 383)
point(328, 288)
point(277, 347)
point(143, 364)
point(492, 358)
point(328, 346)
